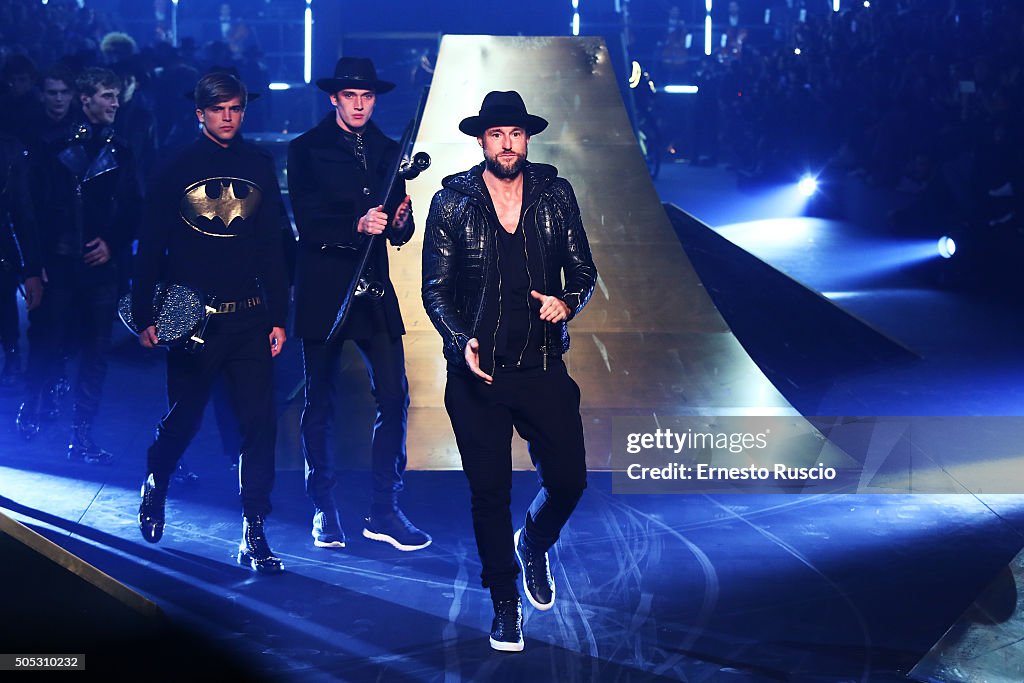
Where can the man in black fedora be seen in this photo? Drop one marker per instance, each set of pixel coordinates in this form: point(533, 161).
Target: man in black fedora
point(506, 264)
point(336, 171)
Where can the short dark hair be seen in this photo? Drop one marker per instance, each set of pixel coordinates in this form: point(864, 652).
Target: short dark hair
point(217, 87)
point(94, 78)
point(58, 72)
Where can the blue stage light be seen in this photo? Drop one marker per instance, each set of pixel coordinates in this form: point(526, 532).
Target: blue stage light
point(807, 186)
point(947, 246)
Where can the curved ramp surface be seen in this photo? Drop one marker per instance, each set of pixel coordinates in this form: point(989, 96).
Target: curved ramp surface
point(650, 342)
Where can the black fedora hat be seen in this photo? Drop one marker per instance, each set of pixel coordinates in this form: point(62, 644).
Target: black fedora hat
point(502, 109)
point(354, 72)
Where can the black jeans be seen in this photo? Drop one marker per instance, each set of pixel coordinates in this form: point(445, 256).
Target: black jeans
point(238, 346)
point(385, 363)
point(76, 313)
point(9, 323)
point(544, 407)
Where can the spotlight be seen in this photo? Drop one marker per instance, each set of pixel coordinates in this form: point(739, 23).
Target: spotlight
point(807, 186)
point(947, 247)
point(796, 51)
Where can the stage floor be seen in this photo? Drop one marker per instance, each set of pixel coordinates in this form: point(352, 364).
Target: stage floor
point(687, 587)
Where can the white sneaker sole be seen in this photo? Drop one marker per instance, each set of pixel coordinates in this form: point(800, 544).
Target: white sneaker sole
point(506, 647)
point(328, 544)
point(391, 541)
point(529, 596)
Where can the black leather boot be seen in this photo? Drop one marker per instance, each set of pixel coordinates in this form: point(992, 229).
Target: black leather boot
point(83, 449)
point(28, 418)
point(53, 397)
point(151, 511)
point(254, 550)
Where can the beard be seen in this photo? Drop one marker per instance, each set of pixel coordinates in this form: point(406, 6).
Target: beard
point(505, 172)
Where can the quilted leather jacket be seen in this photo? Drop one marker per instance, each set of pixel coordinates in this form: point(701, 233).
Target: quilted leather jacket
point(459, 255)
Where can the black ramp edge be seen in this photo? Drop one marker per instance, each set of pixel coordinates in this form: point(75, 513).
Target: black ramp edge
point(801, 341)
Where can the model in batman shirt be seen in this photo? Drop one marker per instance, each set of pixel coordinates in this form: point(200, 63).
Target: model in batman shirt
point(213, 225)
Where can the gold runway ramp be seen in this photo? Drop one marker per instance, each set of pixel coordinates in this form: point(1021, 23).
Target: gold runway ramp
point(650, 342)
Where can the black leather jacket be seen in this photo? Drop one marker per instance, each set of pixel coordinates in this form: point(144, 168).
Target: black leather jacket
point(459, 255)
point(19, 241)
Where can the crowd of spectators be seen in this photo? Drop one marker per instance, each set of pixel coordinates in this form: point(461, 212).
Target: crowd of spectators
point(65, 34)
point(921, 96)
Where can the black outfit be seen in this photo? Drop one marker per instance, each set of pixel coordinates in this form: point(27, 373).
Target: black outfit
point(19, 248)
point(212, 224)
point(334, 177)
point(83, 186)
point(476, 283)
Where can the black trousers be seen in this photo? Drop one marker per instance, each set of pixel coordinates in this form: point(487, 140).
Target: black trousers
point(544, 407)
point(9, 323)
point(237, 347)
point(76, 314)
point(384, 358)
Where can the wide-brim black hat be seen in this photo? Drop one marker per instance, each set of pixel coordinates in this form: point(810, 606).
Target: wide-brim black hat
point(354, 72)
point(502, 109)
point(230, 71)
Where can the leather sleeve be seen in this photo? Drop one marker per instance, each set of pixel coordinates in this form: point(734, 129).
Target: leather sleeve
point(439, 275)
point(23, 216)
point(578, 264)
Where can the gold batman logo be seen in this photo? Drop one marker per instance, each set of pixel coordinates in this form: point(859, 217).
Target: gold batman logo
point(219, 198)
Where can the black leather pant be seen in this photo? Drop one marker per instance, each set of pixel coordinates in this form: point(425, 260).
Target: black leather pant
point(76, 314)
point(385, 363)
point(238, 348)
point(544, 407)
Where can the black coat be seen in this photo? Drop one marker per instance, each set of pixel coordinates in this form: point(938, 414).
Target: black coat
point(19, 240)
point(329, 192)
point(459, 256)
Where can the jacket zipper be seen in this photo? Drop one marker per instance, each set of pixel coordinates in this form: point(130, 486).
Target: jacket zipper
point(529, 278)
point(483, 291)
point(544, 280)
point(494, 338)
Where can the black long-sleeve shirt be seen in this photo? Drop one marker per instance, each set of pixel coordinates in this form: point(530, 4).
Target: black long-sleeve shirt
point(212, 223)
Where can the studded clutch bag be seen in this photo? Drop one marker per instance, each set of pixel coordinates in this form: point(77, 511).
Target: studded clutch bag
point(179, 314)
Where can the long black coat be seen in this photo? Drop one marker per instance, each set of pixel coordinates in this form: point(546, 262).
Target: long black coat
point(329, 192)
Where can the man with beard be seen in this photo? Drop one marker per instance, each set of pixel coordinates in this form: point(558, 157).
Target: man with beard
point(335, 173)
point(499, 240)
point(213, 225)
